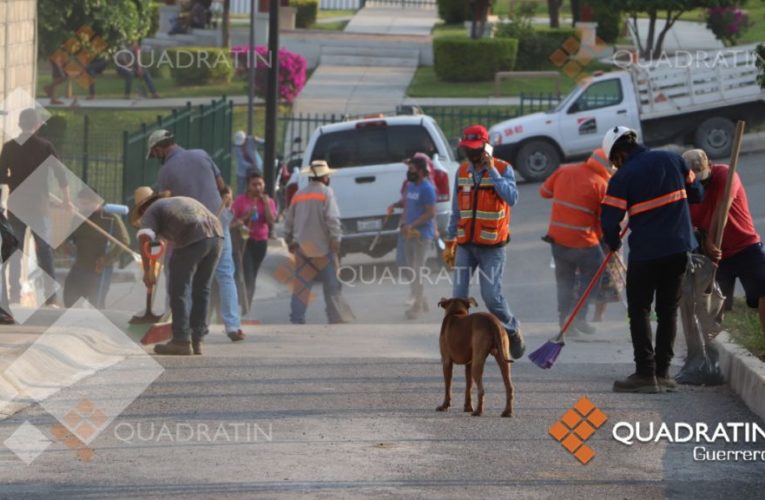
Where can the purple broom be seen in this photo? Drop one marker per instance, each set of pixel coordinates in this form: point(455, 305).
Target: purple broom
point(545, 356)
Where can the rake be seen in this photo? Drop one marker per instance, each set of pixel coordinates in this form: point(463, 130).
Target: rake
point(545, 356)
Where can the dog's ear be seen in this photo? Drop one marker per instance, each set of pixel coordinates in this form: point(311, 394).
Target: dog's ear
point(443, 302)
point(473, 302)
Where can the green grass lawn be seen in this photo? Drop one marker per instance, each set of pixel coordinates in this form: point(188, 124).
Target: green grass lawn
point(333, 26)
point(110, 85)
point(743, 324)
point(502, 8)
point(426, 84)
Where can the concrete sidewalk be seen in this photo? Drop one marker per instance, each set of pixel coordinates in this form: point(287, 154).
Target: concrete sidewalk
point(393, 21)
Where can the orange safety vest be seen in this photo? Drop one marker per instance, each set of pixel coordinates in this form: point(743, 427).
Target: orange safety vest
point(484, 215)
point(577, 191)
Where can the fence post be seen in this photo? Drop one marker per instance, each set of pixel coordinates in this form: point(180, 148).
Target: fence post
point(85, 134)
point(125, 166)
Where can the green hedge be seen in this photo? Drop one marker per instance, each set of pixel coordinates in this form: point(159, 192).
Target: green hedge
point(453, 11)
point(535, 46)
point(460, 59)
point(307, 10)
point(200, 65)
point(609, 19)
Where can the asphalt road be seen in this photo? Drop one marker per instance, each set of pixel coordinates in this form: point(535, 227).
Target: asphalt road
point(348, 412)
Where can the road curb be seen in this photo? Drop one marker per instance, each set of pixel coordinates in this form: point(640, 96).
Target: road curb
point(744, 373)
point(753, 143)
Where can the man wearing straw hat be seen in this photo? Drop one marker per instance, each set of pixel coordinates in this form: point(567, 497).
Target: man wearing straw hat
point(197, 238)
point(313, 233)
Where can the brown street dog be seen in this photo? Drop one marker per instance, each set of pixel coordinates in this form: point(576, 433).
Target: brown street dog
point(468, 339)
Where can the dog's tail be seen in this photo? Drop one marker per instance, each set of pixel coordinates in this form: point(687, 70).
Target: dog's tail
point(501, 341)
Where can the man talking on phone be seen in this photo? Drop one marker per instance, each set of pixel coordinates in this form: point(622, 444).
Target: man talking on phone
point(479, 228)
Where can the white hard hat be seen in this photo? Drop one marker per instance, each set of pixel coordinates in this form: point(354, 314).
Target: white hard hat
point(239, 138)
point(614, 135)
point(156, 137)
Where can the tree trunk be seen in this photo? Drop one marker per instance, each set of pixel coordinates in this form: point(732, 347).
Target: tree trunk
point(574, 12)
point(649, 41)
point(659, 48)
point(553, 8)
point(226, 23)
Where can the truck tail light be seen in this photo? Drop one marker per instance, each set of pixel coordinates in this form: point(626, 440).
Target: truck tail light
point(441, 181)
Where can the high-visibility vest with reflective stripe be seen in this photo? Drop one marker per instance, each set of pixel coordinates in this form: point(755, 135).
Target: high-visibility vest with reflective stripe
point(577, 192)
point(484, 215)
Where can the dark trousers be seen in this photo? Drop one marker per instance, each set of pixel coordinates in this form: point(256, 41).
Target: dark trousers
point(128, 75)
point(568, 262)
point(663, 279)
point(44, 260)
point(82, 282)
point(254, 253)
point(191, 271)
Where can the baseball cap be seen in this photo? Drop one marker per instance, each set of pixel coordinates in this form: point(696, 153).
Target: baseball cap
point(474, 137)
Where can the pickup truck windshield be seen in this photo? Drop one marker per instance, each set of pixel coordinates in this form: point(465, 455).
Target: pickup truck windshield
point(373, 145)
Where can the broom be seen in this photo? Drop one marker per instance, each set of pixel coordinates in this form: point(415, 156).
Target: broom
point(545, 356)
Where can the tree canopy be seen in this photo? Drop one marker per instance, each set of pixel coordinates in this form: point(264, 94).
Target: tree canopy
point(115, 21)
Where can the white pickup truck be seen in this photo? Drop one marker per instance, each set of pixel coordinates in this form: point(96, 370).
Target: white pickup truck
point(694, 100)
point(368, 155)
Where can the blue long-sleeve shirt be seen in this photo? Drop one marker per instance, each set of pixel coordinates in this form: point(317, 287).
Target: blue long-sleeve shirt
point(242, 165)
point(504, 185)
point(654, 188)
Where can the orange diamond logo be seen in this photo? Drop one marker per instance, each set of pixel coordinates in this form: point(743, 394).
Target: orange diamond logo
point(576, 426)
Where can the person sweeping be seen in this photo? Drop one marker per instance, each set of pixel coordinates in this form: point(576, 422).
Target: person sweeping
point(654, 188)
point(197, 238)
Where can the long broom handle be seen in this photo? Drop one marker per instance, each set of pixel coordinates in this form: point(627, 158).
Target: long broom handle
point(98, 228)
point(588, 290)
point(721, 216)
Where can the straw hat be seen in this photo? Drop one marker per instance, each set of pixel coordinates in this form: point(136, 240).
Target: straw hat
point(317, 168)
point(143, 196)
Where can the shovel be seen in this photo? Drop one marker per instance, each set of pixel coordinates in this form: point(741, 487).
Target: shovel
point(154, 253)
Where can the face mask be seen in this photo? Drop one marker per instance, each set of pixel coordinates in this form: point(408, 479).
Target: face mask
point(412, 176)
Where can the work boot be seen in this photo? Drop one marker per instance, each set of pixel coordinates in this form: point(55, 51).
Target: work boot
point(637, 383)
point(414, 312)
point(196, 346)
point(665, 381)
point(517, 344)
point(236, 336)
point(583, 327)
point(174, 348)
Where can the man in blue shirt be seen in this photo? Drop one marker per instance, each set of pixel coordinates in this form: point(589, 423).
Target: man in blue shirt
point(654, 188)
point(418, 229)
point(247, 159)
point(192, 173)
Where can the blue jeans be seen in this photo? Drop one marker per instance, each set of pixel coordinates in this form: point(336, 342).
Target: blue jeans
point(490, 262)
point(568, 262)
point(129, 74)
point(307, 271)
point(224, 276)
point(191, 271)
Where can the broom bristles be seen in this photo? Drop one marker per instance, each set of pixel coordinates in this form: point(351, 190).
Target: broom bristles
point(545, 356)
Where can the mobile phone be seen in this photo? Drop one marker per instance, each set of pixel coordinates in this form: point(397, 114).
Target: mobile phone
point(488, 149)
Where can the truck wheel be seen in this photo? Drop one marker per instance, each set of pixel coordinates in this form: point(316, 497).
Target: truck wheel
point(715, 136)
point(536, 160)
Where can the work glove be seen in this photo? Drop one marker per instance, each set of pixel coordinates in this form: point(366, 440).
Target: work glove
point(450, 253)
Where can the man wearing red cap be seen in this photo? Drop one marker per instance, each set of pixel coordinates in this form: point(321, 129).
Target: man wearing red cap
point(479, 227)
